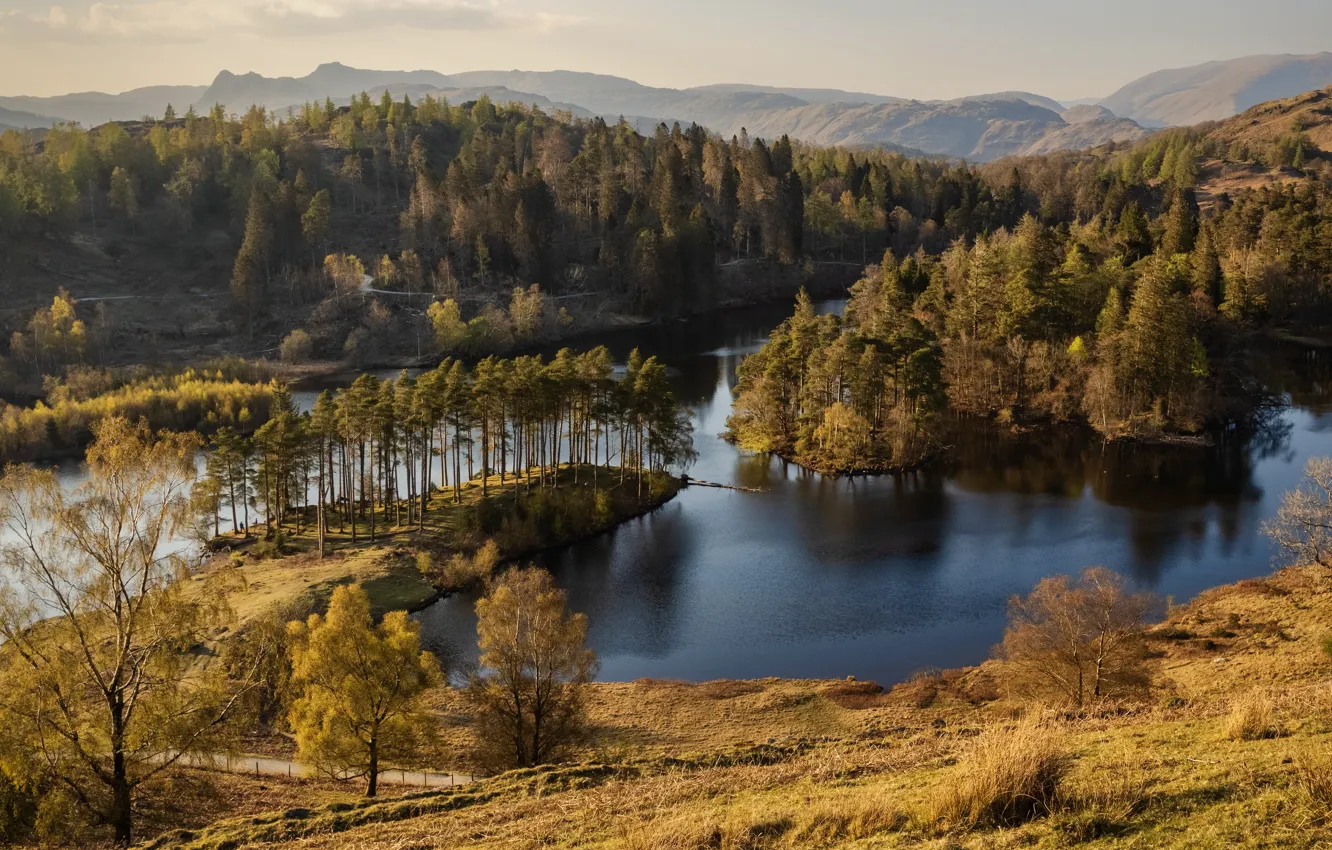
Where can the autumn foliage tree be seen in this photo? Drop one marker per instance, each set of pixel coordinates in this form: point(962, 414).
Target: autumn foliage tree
point(98, 618)
point(359, 688)
point(527, 699)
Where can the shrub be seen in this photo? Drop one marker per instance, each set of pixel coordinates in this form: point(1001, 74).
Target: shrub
point(201, 400)
point(425, 564)
point(1011, 776)
point(1253, 717)
point(296, 348)
point(463, 570)
point(1078, 640)
point(270, 547)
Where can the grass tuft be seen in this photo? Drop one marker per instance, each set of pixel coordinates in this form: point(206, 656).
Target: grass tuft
point(1253, 717)
point(1011, 776)
point(1311, 789)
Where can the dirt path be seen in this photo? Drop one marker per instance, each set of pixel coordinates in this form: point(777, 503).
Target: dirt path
point(265, 766)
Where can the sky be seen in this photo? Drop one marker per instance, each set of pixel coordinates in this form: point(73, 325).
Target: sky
point(924, 49)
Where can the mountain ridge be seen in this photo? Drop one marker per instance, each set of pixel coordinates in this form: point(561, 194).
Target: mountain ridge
point(1214, 91)
point(979, 127)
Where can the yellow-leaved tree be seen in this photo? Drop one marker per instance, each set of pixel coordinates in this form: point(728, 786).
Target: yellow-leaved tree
point(360, 688)
point(100, 689)
point(527, 701)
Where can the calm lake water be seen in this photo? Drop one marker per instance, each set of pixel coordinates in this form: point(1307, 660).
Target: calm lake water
point(879, 577)
point(883, 576)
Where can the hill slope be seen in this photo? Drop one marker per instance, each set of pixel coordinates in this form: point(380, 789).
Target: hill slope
point(19, 120)
point(979, 130)
point(792, 764)
point(1217, 90)
point(1309, 113)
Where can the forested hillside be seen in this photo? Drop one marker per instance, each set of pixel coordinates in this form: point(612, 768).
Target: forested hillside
point(1117, 301)
point(390, 230)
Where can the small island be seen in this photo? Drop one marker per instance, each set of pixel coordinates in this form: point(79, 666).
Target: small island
point(844, 395)
point(416, 486)
point(1023, 327)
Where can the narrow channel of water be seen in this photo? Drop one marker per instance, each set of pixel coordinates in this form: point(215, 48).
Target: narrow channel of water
point(880, 577)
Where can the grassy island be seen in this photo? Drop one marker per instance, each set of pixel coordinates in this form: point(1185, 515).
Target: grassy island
point(406, 567)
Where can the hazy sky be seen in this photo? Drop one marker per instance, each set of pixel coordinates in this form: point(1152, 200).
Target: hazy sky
point(923, 49)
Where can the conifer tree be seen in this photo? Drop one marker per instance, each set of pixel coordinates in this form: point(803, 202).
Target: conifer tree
point(253, 268)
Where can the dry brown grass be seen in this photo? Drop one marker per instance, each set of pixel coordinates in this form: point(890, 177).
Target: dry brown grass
point(1311, 789)
point(1010, 776)
point(825, 821)
point(855, 762)
point(1253, 717)
point(304, 582)
point(855, 696)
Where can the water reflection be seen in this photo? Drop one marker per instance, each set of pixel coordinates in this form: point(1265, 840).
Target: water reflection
point(881, 576)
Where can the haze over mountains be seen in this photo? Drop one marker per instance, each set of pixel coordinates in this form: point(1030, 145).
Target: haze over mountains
point(979, 127)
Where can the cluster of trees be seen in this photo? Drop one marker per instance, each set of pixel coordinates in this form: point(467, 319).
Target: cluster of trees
point(1137, 325)
point(205, 400)
point(56, 337)
point(102, 697)
point(470, 200)
point(392, 444)
point(844, 394)
point(1122, 329)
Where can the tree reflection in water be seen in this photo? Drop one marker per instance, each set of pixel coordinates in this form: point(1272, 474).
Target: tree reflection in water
point(881, 576)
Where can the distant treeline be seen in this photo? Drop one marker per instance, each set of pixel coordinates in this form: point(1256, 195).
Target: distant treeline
point(193, 400)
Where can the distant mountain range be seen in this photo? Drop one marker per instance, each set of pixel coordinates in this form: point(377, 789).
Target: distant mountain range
point(979, 127)
point(1215, 91)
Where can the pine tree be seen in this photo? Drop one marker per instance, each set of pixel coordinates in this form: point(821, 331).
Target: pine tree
point(253, 267)
point(315, 223)
point(1181, 225)
point(1207, 278)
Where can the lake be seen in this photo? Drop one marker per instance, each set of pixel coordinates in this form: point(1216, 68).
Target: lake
point(880, 577)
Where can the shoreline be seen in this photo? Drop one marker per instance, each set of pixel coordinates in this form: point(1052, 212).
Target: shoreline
point(332, 370)
point(299, 579)
point(1019, 430)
